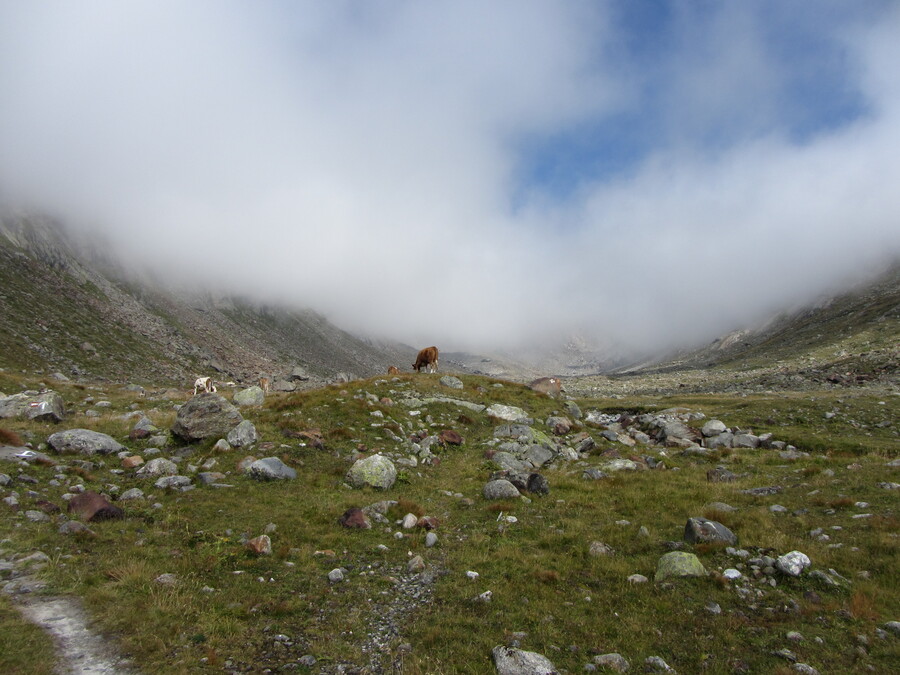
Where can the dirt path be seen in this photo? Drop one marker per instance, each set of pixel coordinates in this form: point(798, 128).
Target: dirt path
point(81, 651)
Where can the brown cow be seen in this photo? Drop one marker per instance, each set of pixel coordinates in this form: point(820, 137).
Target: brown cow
point(393, 370)
point(547, 385)
point(428, 359)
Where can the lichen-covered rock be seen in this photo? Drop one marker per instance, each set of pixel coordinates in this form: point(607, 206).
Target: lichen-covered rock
point(376, 471)
point(47, 406)
point(250, 396)
point(679, 564)
point(84, 442)
point(158, 467)
point(244, 434)
point(205, 416)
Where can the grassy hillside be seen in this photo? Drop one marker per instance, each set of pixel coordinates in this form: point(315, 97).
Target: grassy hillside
point(231, 610)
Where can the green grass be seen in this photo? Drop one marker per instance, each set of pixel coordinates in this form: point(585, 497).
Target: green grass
point(569, 604)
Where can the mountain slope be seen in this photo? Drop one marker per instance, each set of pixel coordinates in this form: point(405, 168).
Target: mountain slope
point(64, 308)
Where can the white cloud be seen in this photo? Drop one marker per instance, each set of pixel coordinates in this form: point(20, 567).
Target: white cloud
point(361, 159)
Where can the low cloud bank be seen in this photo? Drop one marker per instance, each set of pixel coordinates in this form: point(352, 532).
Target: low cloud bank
point(366, 162)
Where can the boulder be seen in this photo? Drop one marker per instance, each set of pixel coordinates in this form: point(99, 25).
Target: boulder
point(205, 416)
point(613, 661)
point(450, 437)
point(546, 385)
point(538, 455)
point(158, 467)
point(270, 468)
point(250, 396)
point(509, 661)
point(173, 482)
point(451, 382)
point(792, 563)
point(376, 471)
point(745, 441)
point(355, 518)
point(679, 564)
point(500, 489)
point(143, 429)
point(282, 385)
point(92, 507)
point(723, 440)
point(510, 413)
point(559, 425)
point(48, 406)
point(713, 428)
point(84, 442)
point(261, 545)
point(244, 434)
point(703, 531)
point(299, 373)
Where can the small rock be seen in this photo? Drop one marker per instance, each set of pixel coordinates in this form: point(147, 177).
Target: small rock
point(792, 563)
point(654, 664)
point(510, 661)
point(613, 661)
point(261, 545)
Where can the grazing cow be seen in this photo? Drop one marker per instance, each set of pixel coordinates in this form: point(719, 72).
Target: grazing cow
point(393, 370)
point(204, 383)
point(264, 384)
point(428, 359)
point(547, 385)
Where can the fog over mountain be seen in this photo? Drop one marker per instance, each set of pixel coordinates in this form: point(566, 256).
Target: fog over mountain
point(473, 175)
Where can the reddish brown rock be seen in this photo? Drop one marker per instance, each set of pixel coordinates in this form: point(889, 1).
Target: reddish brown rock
point(261, 545)
point(131, 462)
point(450, 437)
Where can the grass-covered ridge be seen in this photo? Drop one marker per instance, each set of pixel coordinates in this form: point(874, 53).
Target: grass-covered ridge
point(231, 610)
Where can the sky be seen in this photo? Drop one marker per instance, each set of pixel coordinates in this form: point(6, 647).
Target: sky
point(471, 174)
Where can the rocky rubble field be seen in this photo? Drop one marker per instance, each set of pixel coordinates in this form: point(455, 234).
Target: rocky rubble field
point(455, 524)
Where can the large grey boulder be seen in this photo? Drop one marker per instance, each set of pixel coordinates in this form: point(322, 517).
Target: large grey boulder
point(376, 471)
point(243, 434)
point(500, 489)
point(250, 396)
point(47, 406)
point(509, 661)
point(205, 416)
point(704, 531)
point(270, 468)
point(679, 564)
point(84, 442)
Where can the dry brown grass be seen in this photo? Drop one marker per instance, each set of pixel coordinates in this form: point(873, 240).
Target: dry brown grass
point(8, 437)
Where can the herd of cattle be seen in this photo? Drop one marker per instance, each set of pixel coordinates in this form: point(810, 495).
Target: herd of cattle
point(427, 358)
